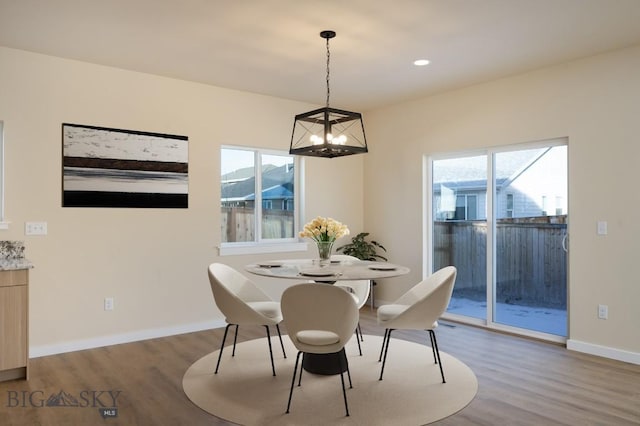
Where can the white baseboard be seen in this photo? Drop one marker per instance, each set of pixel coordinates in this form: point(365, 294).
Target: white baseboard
point(588, 348)
point(604, 351)
point(116, 339)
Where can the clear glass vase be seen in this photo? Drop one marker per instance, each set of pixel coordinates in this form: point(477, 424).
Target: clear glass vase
point(324, 252)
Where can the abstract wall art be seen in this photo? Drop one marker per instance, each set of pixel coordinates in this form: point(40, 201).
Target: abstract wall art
point(105, 167)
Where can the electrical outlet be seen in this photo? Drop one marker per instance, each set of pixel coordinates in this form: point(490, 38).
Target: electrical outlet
point(108, 303)
point(35, 228)
point(602, 227)
point(603, 311)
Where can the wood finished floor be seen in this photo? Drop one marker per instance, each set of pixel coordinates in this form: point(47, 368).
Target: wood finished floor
point(521, 381)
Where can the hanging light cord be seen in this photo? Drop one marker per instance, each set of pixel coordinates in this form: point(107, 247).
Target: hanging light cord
point(328, 58)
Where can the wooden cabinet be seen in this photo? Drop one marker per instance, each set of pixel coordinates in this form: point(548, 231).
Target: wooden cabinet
point(14, 327)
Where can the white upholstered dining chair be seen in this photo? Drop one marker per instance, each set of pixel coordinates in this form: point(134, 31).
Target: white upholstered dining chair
point(243, 303)
point(320, 319)
point(359, 290)
point(419, 309)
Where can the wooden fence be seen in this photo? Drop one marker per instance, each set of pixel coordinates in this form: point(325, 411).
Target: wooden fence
point(237, 224)
point(530, 261)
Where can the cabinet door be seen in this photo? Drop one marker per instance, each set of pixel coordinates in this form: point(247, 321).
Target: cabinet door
point(13, 327)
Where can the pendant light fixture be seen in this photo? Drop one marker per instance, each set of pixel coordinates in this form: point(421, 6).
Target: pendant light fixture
point(328, 132)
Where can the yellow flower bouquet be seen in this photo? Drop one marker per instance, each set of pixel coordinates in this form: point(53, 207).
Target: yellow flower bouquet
point(324, 231)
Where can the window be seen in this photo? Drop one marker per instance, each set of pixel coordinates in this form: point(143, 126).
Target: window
point(466, 207)
point(509, 206)
point(258, 200)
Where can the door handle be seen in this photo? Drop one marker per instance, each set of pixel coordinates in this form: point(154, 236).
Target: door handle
point(564, 243)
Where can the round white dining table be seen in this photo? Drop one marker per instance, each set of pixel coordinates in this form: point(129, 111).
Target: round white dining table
point(310, 269)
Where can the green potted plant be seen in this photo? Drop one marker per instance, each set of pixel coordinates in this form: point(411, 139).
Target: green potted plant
point(362, 249)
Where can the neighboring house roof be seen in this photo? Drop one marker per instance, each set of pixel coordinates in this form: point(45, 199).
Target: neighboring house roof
point(470, 173)
point(277, 181)
point(244, 173)
point(278, 192)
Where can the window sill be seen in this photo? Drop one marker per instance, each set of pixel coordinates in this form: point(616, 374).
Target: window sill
point(252, 248)
point(4, 225)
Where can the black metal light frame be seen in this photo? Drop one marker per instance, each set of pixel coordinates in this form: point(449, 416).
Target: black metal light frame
point(328, 132)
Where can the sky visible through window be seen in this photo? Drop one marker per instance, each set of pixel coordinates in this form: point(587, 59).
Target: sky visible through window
point(234, 159)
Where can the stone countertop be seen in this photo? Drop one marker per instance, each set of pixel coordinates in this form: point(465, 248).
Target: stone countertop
point(13, 264)
point(12, 256)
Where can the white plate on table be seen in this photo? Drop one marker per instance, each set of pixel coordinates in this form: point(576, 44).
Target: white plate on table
point(317, 273)
point(382, 267)
point(270, 264)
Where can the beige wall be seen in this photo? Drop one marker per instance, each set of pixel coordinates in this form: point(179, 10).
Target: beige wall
point(152, 261)
point(595, 102)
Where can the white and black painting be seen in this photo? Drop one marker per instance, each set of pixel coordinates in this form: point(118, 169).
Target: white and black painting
point(105, 167)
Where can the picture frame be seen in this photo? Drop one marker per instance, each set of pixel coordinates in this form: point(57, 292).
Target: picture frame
point(105, 167)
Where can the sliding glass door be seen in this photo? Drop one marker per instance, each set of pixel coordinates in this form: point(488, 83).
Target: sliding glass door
point(460, 229)
point(530, 229)
point(500, 217)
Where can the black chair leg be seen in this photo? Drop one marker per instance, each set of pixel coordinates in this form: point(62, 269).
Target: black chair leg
point(222, 346)
point(344, 365)
point(358, 340)
point(301, 368)
point(386, 351)
point(344, 391)
point(360, 330)
point(344, 394)
point(280, 337)
point(433, 346)
point(384, 339)
point(293, 380)
point(273, 366)
point(235, 337)
point(435, 343)
point(344, 362)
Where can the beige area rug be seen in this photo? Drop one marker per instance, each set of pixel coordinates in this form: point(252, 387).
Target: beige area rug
point(412, 393)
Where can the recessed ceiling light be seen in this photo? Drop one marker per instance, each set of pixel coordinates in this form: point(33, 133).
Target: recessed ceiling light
point(421, 62)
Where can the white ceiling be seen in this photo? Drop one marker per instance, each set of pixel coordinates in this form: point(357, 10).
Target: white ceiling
point(273, 47)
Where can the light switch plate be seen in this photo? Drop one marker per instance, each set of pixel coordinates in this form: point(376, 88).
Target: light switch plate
point(35, 228)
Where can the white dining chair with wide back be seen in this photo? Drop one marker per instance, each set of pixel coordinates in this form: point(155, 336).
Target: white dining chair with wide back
point(243, 303)
point(359, 290)
point(320, 319)
point(418, 309)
